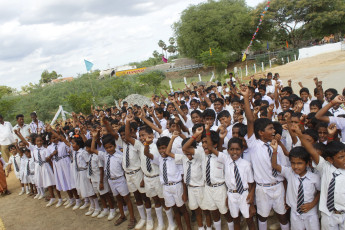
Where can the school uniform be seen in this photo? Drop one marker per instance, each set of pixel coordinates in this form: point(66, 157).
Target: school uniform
point(29, 171)
point(34, 127)
point(301, 190)
point(215, 188)
point(171, 178)
point(44, 176)
point(238, 176)
point(24, 130)
point(153, 187)
point(62, 166)
point(132, 166)
point(15, 161)
point(83, 184)
point(340, 122)
point(332, 188)
point(269, 191)
point(193, 178)
point(73, 170)
point(337, 112)
point(93, 173)
point(114, 173)
point(23, 173)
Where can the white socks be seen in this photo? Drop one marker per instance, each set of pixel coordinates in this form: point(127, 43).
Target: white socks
point(141, 210)
point(148, 214)
point(23, 189)
point(170, 217)
point(262, 225)
point(95, 203)
point(208, 228)
point(231, 225)
point(112, 210)
point(285, 227)
point(217, 225)
point(125, 208)
point(92, 203)
point(77, 201)
point(159, 215)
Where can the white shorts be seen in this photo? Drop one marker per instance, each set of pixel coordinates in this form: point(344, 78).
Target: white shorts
point(270, 197)
point(304, 221)
point(134, 180)
point(238, 203)
point(119, 186)
point(332, 222)
point(195, 197)
point(153, 187)
point(95, 185)
point(215, 198)
point(173, 195)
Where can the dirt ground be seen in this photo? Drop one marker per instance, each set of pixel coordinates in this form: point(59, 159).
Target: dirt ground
point(25, 213)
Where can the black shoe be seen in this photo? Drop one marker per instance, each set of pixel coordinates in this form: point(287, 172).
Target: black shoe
point(193, 217)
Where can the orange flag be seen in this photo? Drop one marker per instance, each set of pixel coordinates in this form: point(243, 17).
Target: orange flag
point(287, 44)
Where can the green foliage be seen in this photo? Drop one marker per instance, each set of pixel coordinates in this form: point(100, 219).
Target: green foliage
point(5, 90)
point(80, 102)
point(47, 77)
point(224, 24)
point(217, 59)
point(152, 79)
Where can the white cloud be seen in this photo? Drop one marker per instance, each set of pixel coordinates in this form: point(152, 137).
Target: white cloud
point(59, 34)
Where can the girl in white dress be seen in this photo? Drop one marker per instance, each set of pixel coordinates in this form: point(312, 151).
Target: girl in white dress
point(44, 176)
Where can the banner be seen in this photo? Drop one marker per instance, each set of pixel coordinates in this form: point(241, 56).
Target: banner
point(130, 72)
point(257, 29)
point(164, 59)
point(88, 65)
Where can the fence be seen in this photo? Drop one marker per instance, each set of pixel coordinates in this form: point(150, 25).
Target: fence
point(196, 66)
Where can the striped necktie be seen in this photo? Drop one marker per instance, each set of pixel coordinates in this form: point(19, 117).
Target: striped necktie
point(40, 162)
point(148, 164)
point(330, 194)
point(239, 184)
point(108, 167)
point(28, 168)
point(76, 162)
point(165, 171)
point(57, 154)
point(189, 171)
point(15, 164)
point(208, 170)
point(90, 166)
point(270, 152)
point(127, 156)
point(300, 196)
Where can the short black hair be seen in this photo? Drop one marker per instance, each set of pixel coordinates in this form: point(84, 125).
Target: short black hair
point(159, 110)
point(197, 112)
point(79, 141)
point(278, 128)
point(108, 139)
point(287, 89)
point(262, 87)
point(19, 115)
point(146, 129)
point(163, 141)
point(185, 141)
point(333, 148)
point(88, 143)
point(209, 113)
point(260, 125)
point(33, 114)
point(315, 103)
point(311, 132)
point(304, 90)
point(224, 113)
point(235, 140)
point(301, 153)
point(214, 137)
point(220, 100)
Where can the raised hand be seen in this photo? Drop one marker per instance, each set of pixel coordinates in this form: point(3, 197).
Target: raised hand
point(199, 131)
point(223, 132)
point(274, 145)
point(338, 100)
point(332, 129)
point(175, 134)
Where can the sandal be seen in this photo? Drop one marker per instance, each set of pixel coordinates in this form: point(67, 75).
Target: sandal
point(120, 220)
point(132, 224)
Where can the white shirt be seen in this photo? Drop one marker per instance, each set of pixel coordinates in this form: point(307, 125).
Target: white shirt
point(115, 164)
point(173, 170)
point(34, 126)
point(244, 168)
point(154, 168)
point(15, 160)
point(337, 112)
point(6, 133)
point(311, 184)
point(216, 168)
point(306, 107)
point(62, 149)
point(268, 98)
point(94, 164)
point(134, 156)
point(82, 159)
point(34, 152)
point(24, 130)
point(326, 170)
point(340, 123)
point(261, 161)
point(196, 177)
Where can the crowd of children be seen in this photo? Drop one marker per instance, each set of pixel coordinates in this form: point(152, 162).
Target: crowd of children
point(235, 150)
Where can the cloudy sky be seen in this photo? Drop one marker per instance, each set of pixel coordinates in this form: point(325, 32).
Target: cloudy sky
point(59, 34)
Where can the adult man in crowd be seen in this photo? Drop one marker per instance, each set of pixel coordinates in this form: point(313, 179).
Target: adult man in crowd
point(36, 126)
point(23, 128)
point(6, 138)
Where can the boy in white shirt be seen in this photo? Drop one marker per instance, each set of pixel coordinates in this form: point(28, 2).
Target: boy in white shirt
point(15, 161)
point(303, 188)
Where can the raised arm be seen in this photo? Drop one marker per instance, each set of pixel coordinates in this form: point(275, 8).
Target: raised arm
point(168, 152)
point(275, 165)
point(186, 147)
point(149, 123)
point(128, 136)
point(210, 146)
point(110, 130)
point(248, 112)
point(179, 110)
point(93, 143)
point(17, 132)
point(336, 101)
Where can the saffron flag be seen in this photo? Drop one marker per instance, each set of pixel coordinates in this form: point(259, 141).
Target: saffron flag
point(287, 44)
point(88, 65)
point(244, 57)
point(210, 51)
point(164, 59)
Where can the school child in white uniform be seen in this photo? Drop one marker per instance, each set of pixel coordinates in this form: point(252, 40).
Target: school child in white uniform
point(83, 184)
point(44, 176)
point(270, 192)
point(58, 154)
point(134, 175)
point(110, 164)
point(29, 170)
point(171, 179)
point(14, 160)
point(153, 187)
point(303, 188)
point(332, 171)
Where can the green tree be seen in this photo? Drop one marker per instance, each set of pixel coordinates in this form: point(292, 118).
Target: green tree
point(5, 90)
point(47, 77)
point(152, 78)
point(225, 24)
point(218, 59)
point(80, 102)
